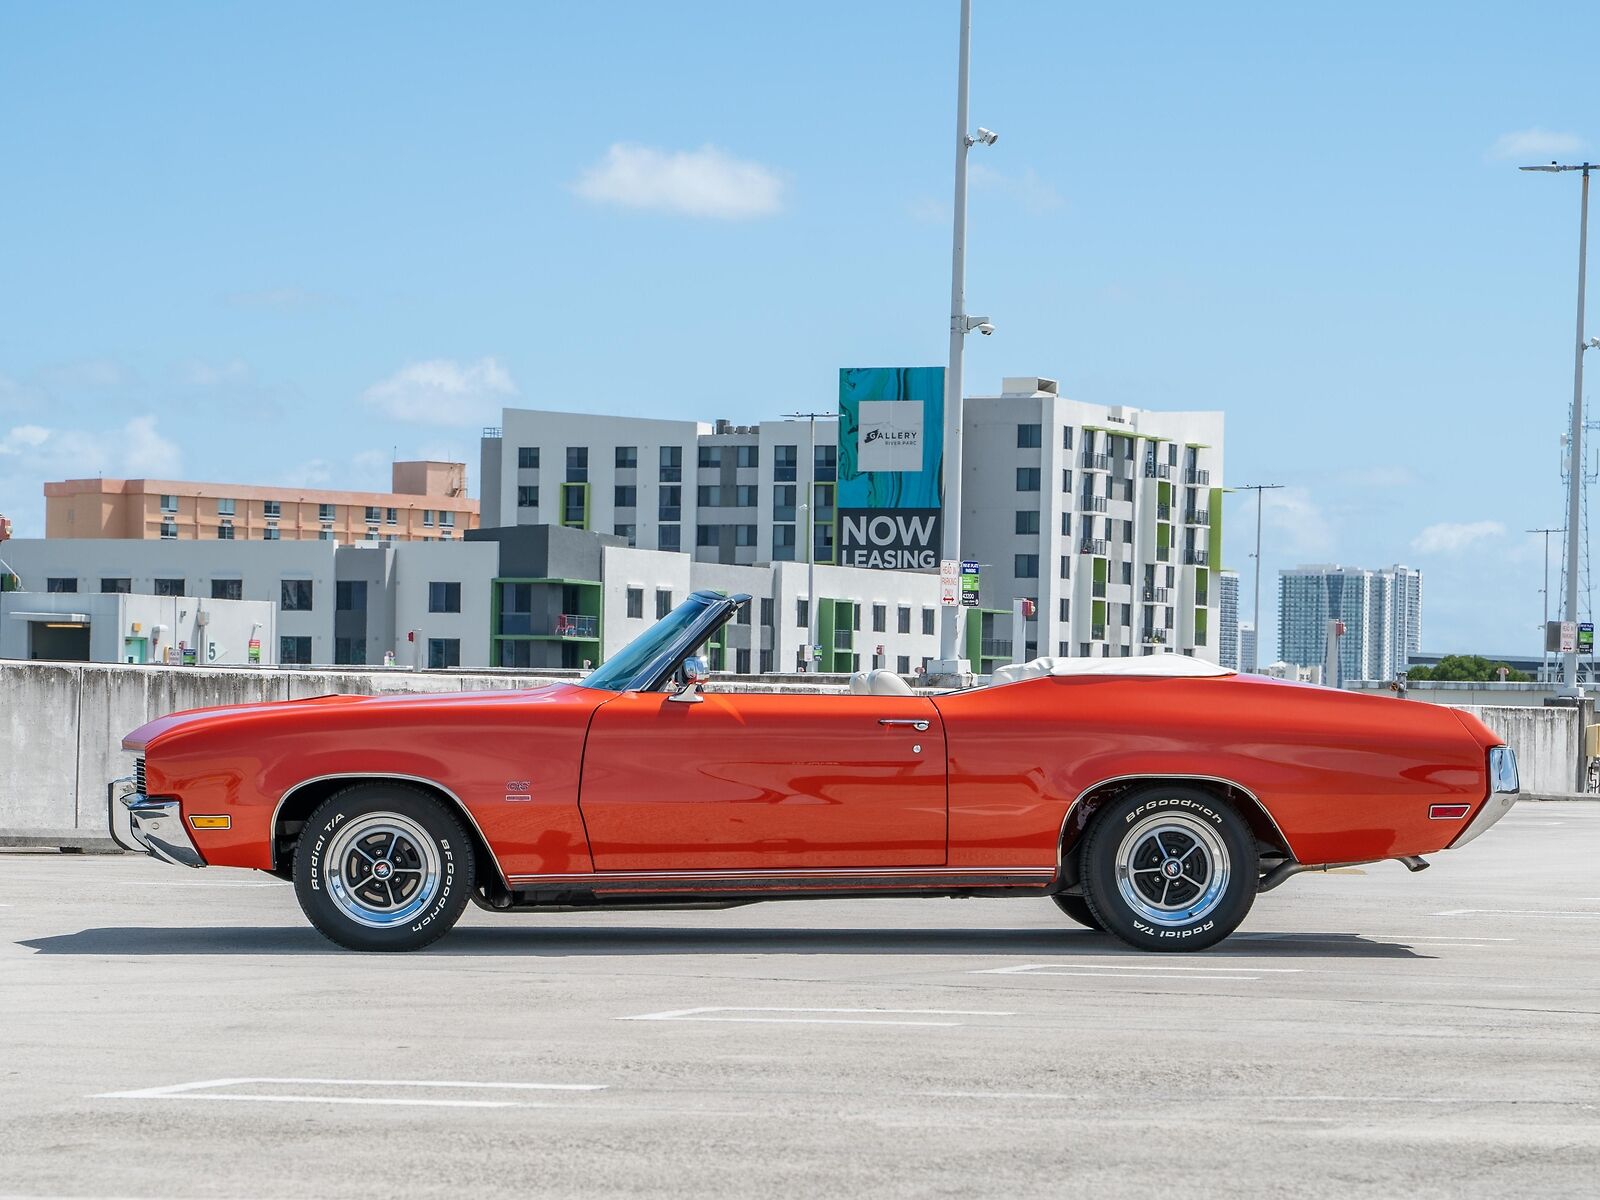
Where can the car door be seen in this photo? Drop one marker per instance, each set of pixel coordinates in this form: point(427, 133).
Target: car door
point(755, 782)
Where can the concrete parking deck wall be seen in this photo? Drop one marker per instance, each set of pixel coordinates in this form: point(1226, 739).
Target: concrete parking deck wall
point(61, 726)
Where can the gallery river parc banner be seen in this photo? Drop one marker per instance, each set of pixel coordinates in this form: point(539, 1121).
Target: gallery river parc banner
point(891, 456)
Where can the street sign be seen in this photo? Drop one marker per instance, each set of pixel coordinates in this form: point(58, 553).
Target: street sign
point(1569, 636)
point(949, 582)
point(1586, 637)
point(970, 572)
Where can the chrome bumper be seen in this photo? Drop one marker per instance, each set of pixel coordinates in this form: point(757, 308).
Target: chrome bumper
point(154, 827)
point(1503, 789)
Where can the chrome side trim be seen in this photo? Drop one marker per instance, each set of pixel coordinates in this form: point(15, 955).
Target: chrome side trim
point(1155, 776)
point(158, 827)
point(1504, 787)
point(358, 776)
point(759, 873)
point(810, 881)
point(117, 791)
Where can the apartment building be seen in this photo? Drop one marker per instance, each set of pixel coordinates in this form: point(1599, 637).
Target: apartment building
point(428, 502)
point(1108, 517)
point(1381, 611)
point(1228, 653)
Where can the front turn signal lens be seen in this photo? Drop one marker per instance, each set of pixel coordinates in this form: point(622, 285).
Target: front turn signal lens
point(211, 822)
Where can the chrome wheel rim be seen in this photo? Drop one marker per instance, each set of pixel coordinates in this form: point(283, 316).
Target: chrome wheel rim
point(1172, 869)
point(381, 870)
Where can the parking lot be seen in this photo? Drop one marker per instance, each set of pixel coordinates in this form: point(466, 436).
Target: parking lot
point(177, 1033)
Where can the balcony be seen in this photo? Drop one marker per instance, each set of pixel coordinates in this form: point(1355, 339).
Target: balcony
point(1097, 633)
point(1196, 557)
point(1154, 637)
point(1155, 470)
point(995, 648)
point(1096, 462)
point(1098, 589)
point(1092, 503)
point(1197, 516)
point(1196, 476)
point(1157, 595)
point(1092, 546)
point(576, 625)
point(1163, 512)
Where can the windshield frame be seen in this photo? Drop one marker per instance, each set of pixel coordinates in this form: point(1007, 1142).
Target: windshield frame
point(648, 661)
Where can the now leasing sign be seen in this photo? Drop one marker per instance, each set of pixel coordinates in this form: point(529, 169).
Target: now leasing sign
point(898, 539)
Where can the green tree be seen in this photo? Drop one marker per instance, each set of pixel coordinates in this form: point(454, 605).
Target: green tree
point(1465, 668)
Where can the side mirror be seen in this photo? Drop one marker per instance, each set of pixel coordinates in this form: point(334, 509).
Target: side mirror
point(691, 678)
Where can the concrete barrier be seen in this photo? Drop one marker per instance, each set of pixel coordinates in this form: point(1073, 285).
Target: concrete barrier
point(61, 727)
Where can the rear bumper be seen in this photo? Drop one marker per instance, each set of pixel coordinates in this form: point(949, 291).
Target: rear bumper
point(1504, 788)
point(153, 827)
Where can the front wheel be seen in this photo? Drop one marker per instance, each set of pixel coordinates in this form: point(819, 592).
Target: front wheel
point(383, 866)
point(1170, 868)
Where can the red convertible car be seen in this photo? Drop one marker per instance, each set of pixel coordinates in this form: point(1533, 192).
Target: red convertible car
point(1153, 798)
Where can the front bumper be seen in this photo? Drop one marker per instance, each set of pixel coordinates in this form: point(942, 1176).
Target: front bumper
point(154, 827)
point(1504, 786)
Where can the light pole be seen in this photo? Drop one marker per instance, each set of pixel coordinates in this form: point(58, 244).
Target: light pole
point(1258, 488)
point(961, 324)
point(812, 654)
point(1544, 630)
point(1570, 687)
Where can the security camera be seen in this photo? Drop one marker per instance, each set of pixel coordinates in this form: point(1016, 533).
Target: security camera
point(987, 136)
point(986, 329)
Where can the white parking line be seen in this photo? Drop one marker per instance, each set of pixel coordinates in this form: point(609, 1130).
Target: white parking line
point(1134, 970)
point(201, 1090)
point(196, 883)
point(1517, 912)
point(861, 1018)
point(1255, 1097)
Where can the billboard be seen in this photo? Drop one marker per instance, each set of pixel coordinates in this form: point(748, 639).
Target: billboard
point(891, 459)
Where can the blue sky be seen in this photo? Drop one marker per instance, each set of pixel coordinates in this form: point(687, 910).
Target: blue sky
point(261, 242)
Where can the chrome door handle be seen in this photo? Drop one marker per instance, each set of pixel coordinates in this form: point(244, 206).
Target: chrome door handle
point(917, 724)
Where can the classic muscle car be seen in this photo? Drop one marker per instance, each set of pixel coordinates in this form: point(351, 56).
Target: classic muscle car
point(1153, 797)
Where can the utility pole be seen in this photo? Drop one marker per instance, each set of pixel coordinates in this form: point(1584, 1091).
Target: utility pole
point(1544, 630)
point(950, 664)
point(810, 474)
point(1258, 488)
point(1570, 687)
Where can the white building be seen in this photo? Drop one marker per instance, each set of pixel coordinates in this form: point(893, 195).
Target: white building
point(1247, 646)
point(1381, 611)
point(1228, 654)
point(1109, 518)
point(124, 627)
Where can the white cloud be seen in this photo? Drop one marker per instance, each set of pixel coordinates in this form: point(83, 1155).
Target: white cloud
point(1379, 478)
point(707, 182)
point(1535, 143)
point(1027, 189)
point(925, 210)
point(24, 437)
point(1302, 530)
point(207, 375)
point(145, 452)
point(442, 391)
point(1451, 537)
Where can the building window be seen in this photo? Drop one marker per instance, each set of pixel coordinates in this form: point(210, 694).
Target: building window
point(627, 531)
point(826, 464)
point(1028, 521)
point(744, 535)
point(327, 535)
point(169, 530)
point(227, 589)
point(170, 587)
point(226, 508)
point(350, 595)
point(577, 464)
point(627, 458)
point(785, 461)
point(391, 516)
point(902, 664)
point(766, 662)
point(374, 514)
point(528, 496)
point(271, 534)
point(294, 651)
point(636, 603)
point(527, 458)
point(880, 618)
point(324, 512)
point(672, 464)
point(783, 543)
point(1028, 437)
point(741, 662)
point(444, 597)
point(670, 537)
point(669, 504)
point(1066, 566)
point(705, 535)
point(58, 583)
point(766, 611)
point(447, 519)
point(1065, 611)
point(575, 506)
point(927, 621)
point(783, 502)
point(427, 518)
point(296, 595)
point(1066, 437)
point(225, 531)
point(1027, 566)
point(272, 508)
point(741, 615)
point(711, 456)
point(663, 602)
point(349, 652)
point(115, 587)
point(822, 541)
point(1027, 479)
point(443, 653)
point(747, 456)
point(904, 617)
point(1066, 524)
point(625, 496)
point(1066, 482)
point(802, 613)
point(169, 504)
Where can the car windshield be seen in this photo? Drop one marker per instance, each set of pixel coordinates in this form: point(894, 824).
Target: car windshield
point(648, 654)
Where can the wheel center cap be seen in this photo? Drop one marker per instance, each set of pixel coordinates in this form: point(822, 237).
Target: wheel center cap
point(1172, 868)
point(381, 870)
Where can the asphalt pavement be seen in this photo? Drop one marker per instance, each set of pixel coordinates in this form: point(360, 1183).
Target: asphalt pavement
point(1368, 1033)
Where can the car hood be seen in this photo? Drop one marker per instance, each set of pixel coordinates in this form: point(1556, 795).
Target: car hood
point(398, 704)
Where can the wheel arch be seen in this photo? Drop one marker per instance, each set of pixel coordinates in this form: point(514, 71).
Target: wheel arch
point(1081, 812)
point(297, 804)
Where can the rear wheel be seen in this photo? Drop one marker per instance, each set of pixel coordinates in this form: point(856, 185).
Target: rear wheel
point(1170, 868)
point(383, 866)
point(1077, 908)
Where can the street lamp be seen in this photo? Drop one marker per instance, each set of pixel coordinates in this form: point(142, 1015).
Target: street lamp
point(1258, 488)
point(812, 653)
point(1544, 630)
point(1570, 687)
point(961, 324)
